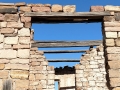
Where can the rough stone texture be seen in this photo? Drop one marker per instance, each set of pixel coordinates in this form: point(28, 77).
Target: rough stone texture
point(3, 74)
point(112, 8)
point(2, 66)
point(8, 54)
point(11, 40)
point(19, 74)
point(11, 17)
point(26, 53)
point(69, 8)
point(25, 9)
point(57, 8)
point(14, 24)
point(24, 32)
point(21, 84)
point(7, 30)
point(41, 9)
point(97, 8)
point(20, 4)
point(24, 40)
point(110, 42)
point(111, 34)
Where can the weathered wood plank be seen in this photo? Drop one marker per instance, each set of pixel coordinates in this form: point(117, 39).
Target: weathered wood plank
point(48, 44)
point(65, 51)
point(80, 14)
point(63, 60)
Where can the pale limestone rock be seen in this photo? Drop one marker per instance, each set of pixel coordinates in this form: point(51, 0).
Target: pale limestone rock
point(34, 83)
point(111, 34)
point(1, 83)
point(114, 82)
point(112, 8)
point(112, 29)
point(3, 24)
point(24, 40)
point(113, 57)
point(15, 24)
point(19, 74)
point(17, 66)
point(11, 40)
point(22, 84)
point(32, 77)
point(40, 76)
point(25, 9)
point(22, 61)
point(113, 50)
point(118, 34)
point(2, 66)
point(57, 8)
point(23, 53)
point(111, 24)
point(117, 41)
point(4, 74)
point(8, 54)
point(7, 30)
point(69, 8)
point(1, 38)
point(1, 45)
point(110, 42)
point(92, 83)
point(24, 32)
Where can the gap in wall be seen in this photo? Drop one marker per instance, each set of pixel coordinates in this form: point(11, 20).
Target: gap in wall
point(66, 32)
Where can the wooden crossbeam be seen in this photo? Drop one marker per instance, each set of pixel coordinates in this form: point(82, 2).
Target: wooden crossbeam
point(62, 17)
point(51, 44)
point(63, 60)
point(65, 51)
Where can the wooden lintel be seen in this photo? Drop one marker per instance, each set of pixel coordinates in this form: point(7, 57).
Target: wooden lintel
point(62, 17)
point(51, 44)
point(63, 60)
point(65, 51)
point(57, 14)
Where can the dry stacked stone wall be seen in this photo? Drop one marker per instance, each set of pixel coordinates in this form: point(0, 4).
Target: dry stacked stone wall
point(27, 69)
point(90, 73)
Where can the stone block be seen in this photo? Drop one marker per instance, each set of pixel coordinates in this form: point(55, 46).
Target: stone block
point(25, 9)
point(6, 46)
point(114, 64)
point(40, 76)
point(3, 24)
point(27, 25)
point(118, 34)
point(51, 68)
point(1, 45)
point(112, 29)
point(21, 46)
point(111, 34)
point(51, 76)
point(23, 53)
point(112, 8)
point(2, 17)
point(109, 42)
point(4, 61)
point(8, 54)
point(117, 42)
point(11, 40)
point(1, 38)
point(22, 84)
point(24, 32)
point(15, 74)
point(34, 83)
point(97, 9)
point(111, 24)
point(44, 63)
point(57, 8)
point(114, 50)
point(35, 63)
point(8, 9)
point(113, 57)
point(21, 61)
point(20, 4)
point(69, 8)
point(17, 66)
point(7, 30)
point(114, 82)
point(24, 40)
point(114, 73)
point(109, 18)
point(2, 66)
point(116, 88)
point(11, 17)
point(25, 19)
point(41, 9)
point(14, 24)
point(4, 74)
point(32, 77)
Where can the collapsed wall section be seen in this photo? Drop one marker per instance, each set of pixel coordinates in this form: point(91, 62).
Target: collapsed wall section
point(90, 73)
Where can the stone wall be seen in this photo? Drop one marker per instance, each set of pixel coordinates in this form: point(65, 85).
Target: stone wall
point(28, 69)
point(90, 73)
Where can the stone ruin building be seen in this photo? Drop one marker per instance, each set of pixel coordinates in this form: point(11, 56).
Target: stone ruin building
point(24, 67)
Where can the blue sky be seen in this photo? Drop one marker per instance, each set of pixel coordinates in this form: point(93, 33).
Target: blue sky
point(86, 31)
